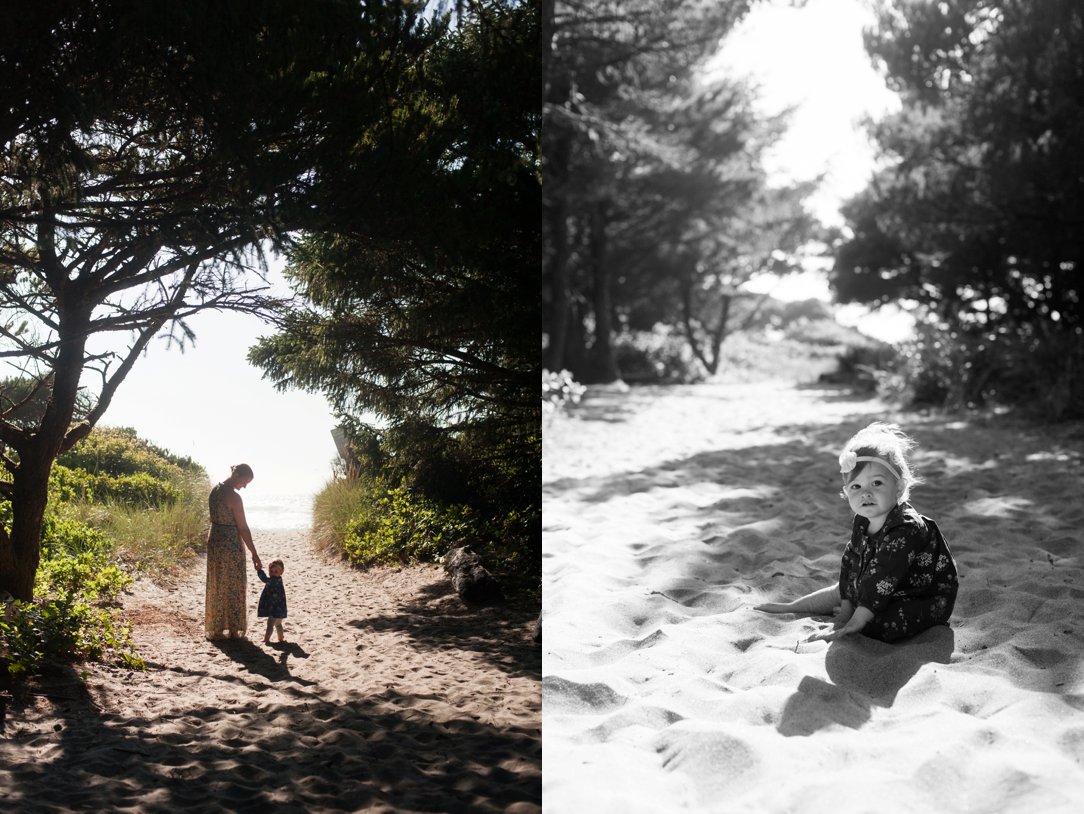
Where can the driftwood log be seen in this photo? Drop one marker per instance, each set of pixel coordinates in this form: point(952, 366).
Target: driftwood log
point(469, 577)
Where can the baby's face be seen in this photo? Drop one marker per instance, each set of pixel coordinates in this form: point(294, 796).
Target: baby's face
point(276, 570)
point(873, 493)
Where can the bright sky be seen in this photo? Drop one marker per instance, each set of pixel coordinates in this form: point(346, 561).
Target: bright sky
point(812, 59)
point(210, 404)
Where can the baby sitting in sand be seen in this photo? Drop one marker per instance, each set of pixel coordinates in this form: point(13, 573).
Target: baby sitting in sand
point(897, 577)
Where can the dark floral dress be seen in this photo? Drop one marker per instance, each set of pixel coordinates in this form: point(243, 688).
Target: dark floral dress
point(273, 598)
point(904, 573)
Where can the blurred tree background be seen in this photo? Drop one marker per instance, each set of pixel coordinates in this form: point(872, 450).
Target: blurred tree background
point(977, 212)
point(658, 209)
point(659, 214)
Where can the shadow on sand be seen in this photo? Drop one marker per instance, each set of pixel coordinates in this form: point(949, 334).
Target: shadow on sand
point(439, 620)
point(361, 753)
point(865, 673)
point(258, 661)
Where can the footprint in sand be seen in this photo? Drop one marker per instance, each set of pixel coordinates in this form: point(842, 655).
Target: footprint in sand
point(715, 763)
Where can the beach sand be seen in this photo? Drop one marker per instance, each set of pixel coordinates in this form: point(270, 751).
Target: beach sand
point(389, 695)
point(670, 512)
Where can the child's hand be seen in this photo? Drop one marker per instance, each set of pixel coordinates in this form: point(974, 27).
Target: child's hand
point(854, 624)
point(843, 614)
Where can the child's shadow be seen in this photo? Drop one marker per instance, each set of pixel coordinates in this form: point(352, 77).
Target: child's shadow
point(290, 649)
point(287, 649)
point(864, 673)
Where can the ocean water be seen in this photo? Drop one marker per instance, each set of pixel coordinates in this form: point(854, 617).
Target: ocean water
point(278, 511)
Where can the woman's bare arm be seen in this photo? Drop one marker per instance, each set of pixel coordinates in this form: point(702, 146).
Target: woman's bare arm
point(243, 531)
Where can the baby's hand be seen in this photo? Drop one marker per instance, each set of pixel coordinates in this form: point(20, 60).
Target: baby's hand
point(843, 614)
point(855, 621)
point(828, 635)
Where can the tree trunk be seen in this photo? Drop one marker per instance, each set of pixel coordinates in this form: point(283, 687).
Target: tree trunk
point(603, 357)
point(20, 552)
point(713, 336)
point(575, 355)
point(561, 285)
point(719, 334)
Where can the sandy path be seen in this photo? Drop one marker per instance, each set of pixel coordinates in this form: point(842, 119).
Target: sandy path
point(670, 512)
point(389, 696)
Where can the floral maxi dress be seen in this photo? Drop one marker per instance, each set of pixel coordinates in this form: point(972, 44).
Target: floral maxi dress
point(225, 612)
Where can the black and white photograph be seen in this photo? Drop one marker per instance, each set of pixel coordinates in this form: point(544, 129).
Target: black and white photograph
point(813, 391)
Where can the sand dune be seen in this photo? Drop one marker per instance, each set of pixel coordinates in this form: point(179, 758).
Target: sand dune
point(670, 512)
point(390, 695)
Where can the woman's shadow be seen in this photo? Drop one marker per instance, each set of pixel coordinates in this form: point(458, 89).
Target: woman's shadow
point(256, 660)
point(864, 673)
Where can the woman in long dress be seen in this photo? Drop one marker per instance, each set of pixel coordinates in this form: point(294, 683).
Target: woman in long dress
point(226, 600)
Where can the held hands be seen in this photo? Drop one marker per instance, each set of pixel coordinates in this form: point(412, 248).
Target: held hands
point(256, 561)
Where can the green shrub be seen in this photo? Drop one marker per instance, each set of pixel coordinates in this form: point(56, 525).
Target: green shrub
point(149, 539)
point(336, 506)
point(826, 332)
point(864, 365)
point(67, 537)
point(807, 310)
point(403, 527)
point(929, 370)
point(117, 451)
point(752, 356)
point(409, 500)
point(659, 356)
point(1053, 369)
point(75, 612)
point(559, 389)
point(958, 368)
point(113, 499)
point(137, 489)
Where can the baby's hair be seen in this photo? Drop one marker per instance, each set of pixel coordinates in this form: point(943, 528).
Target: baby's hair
point(241, 471)
point(275, 562)
point(887, 441)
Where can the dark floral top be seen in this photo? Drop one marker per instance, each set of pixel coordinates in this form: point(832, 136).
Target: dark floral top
point(273, 598)
point(907, 559)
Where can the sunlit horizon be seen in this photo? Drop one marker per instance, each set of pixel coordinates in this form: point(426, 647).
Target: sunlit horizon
point(210, 404)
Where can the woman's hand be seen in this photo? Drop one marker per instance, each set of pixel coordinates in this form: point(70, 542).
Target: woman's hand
point(256, 560)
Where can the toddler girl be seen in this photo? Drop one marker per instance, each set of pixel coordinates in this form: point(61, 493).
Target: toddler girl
point(897, 577)
point(273, 599)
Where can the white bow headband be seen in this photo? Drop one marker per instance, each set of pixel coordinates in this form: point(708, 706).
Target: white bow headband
point(848, 460)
